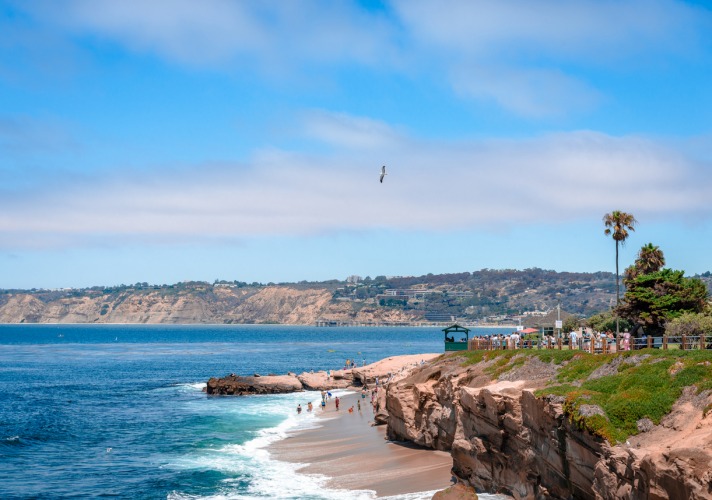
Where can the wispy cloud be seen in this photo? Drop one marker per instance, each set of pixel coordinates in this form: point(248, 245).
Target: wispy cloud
point(432, 186)
point(503, 51)
point(500, 51)
point(342, 129)
point(528, 92)
point(219, 32)
point(29, 135)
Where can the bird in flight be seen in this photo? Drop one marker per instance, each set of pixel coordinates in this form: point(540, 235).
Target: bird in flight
point(383, 173)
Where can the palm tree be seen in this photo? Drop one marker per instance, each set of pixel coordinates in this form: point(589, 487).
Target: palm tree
point(650, 259)
point(618, 225)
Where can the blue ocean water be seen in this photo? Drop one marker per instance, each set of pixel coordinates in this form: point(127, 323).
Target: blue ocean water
point(118, 410)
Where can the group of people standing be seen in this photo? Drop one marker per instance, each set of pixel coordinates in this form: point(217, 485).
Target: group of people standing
point(326, 396)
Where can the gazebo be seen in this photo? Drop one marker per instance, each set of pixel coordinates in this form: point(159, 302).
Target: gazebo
point(456, 338)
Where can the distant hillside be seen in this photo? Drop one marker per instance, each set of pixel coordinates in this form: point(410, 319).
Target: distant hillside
point(485, 295)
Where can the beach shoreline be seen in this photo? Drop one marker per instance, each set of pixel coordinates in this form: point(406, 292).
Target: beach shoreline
point(355, 455)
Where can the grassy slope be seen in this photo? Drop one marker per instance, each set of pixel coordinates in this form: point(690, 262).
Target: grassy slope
point(646, 383)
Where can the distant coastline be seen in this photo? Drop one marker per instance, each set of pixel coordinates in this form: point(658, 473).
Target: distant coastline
point(480, 298)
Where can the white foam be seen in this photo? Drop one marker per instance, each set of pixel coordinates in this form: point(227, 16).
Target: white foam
point(251, 462)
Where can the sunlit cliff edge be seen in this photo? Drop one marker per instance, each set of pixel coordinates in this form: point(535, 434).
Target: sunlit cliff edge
point(565, 425)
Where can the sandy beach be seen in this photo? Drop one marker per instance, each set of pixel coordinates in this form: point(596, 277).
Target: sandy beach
point(356, 455)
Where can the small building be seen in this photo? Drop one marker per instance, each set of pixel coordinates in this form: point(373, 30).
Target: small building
point(456, 338)
point(546, 324)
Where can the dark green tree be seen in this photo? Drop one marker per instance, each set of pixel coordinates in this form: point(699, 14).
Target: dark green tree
point(571, 323)
point(653, 299)
point(605, 321)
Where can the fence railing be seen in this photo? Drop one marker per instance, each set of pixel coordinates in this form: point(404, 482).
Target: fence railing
point(596, 345)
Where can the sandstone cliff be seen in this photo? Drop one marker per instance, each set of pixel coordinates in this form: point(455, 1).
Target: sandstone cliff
point(504, 438)
point(206, 304)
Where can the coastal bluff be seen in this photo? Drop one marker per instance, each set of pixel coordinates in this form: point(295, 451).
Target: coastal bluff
point(506, 434)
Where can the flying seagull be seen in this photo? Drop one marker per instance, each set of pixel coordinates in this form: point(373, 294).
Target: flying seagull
point(383, 173)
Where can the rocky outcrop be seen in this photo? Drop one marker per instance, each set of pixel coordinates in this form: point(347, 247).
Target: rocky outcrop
point(233, 385)
point(395, 368)
point(505, 439)
point(321, 381)
point(456, 492)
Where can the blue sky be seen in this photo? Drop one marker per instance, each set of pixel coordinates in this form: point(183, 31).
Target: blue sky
point(198, 140)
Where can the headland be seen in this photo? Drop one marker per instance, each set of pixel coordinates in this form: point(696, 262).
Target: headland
point(527, 424)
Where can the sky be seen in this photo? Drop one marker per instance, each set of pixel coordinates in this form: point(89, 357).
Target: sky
point(181, 140)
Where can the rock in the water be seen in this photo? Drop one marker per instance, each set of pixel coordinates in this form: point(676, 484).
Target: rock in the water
point(240, 386)
point(457, 492)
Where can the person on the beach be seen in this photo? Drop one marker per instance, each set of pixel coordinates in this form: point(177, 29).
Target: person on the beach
point(323, 404)
point(358, 403)
point(309, 406)
point(337, 403)
point(363, 393)
point(299, 409)
point(351, 410)
point(328, 395)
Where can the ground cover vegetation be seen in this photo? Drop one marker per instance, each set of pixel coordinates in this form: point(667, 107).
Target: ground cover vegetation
point(610, 395)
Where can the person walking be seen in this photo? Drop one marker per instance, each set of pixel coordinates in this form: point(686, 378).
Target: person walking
point(336, 401)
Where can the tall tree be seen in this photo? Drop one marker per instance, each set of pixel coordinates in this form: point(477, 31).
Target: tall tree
point(650, 259)
point(618, 226)
point(655, 298)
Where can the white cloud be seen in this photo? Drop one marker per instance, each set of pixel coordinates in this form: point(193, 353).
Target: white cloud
point(527, 92)
point(341, 129)
point(504, 50)
point(575, 27)
point(24, 135)
point(218, 32)
point(432, 186)
point(501, 51)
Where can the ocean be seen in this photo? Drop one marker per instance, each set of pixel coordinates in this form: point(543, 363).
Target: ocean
point(118, 410)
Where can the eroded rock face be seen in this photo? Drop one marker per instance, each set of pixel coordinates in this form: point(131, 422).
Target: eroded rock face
point(201, 304)
point(504, 439)
point(320, 381)
point(239, 386)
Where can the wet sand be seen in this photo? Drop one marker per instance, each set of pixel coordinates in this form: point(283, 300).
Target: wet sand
point(356, 455)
